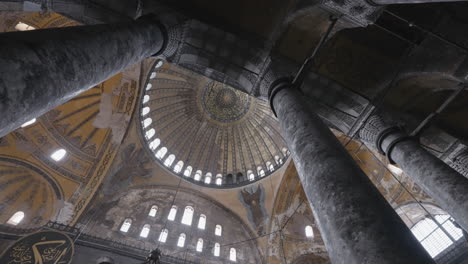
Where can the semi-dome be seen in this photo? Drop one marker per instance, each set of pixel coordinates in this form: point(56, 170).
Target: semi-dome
point(207, 132)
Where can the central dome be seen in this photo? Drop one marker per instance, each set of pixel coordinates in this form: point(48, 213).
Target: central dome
point(225, 104)
point(206, 131)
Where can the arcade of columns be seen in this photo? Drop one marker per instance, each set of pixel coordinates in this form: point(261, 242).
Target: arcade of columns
point(42, 69)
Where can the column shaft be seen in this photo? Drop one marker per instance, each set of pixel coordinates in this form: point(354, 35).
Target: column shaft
point(442, 183)
point(42, 69)
point(356, 222)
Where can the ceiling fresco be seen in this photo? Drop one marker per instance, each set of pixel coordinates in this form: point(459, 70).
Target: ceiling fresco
point(90, 128)
point(210, 129)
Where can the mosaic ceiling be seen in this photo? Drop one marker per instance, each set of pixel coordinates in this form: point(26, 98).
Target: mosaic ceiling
point(206, 131)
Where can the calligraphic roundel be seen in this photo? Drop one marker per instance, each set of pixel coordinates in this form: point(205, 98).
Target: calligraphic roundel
point(45, 247)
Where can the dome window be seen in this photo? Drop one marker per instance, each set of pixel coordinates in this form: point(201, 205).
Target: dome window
point(219, 179)
point(155, 144)
point(147, 122)
point(169, 160)
point(208, 178)
point(145, 111)
point(197, 176)
point(161, 153)
point(146, 99)
point(188, 171)
point(250, 175)
point(178, 167)
point(150, 133)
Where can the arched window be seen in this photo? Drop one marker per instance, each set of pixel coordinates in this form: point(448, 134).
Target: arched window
point(181, 241)
point(16, 218)
point(218, 230)
point(169, 160)
point(260, 171)
point(154, 144)
point(278, 160)
point(126, 225)
point(202, 222)
point(153, 211)
point(208, 178)
point(146, 99)
point(270, 166)
point(432, 237)
point(250, 175)
point(232, 255)
point(145, 231)
point(200, 245)
point(58, 154)
point(309, 232)
point(161, 153)
point(217, 248)
point(148, 86)
point(163, 236)
point(219, 179)
point(178, 167)
point(172, 213)
point(159, 64)
point(197, 176)
point(147, 122)
point(188, 216)
point(150, 133)
point(188, 171)
point(30, 122)
point(145, 111)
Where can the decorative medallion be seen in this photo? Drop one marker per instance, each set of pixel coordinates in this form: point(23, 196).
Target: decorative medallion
point(225, 104)
point(45, 247)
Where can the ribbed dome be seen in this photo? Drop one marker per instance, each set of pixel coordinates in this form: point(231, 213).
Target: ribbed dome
point(208, 132)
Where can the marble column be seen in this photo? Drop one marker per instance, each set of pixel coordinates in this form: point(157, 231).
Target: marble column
point(356, 222)
point(447, 187)
point(41, 69)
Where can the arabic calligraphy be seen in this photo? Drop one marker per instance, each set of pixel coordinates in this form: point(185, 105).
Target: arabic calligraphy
point(46, 247)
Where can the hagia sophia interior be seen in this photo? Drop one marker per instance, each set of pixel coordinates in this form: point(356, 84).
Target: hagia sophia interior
point(187, 154)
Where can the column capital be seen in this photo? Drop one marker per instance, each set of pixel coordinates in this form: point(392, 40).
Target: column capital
point(376, 130)
point(460, 162)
